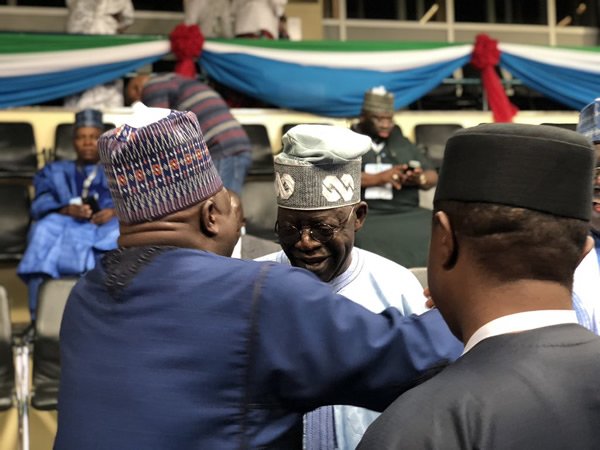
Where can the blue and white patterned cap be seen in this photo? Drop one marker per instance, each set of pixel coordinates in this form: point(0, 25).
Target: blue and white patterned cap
point(158, 168)
point(89, 118)
point(589, 121)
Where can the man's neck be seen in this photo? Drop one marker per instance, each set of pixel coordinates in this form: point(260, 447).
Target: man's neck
point(512, 298)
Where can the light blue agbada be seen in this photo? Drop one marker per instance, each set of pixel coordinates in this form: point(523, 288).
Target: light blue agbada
point(60, 245)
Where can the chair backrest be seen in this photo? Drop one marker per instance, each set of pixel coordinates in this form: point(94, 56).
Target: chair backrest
point(52, 299)
point(566, 126)
point(14, 220)
point(432, 139)
point(18, 154)
point(63, 141)
point(421, 274)
point(262, 152)
point(7, 371)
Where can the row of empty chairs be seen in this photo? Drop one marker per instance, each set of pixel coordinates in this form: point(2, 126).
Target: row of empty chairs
point(15, 388)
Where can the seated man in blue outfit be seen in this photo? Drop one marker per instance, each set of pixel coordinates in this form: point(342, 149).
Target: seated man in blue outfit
point(170, 343)
point(73, 212)
point(316, 229)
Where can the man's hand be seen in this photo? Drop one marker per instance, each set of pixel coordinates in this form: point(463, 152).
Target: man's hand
point(414, 177)
point(81, 212)
point(429, 302)
point(395, 176)
point(103, 216)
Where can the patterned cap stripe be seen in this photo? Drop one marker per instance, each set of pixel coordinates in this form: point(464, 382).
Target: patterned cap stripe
point(158, 169)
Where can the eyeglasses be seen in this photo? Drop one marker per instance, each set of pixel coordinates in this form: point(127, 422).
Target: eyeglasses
point(321, 232)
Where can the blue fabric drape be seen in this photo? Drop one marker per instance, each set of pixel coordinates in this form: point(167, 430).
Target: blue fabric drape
point(28, 90)
point(320, 90)
point(574, 88)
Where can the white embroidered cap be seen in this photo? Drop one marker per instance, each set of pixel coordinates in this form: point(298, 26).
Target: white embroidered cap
point(319, 167)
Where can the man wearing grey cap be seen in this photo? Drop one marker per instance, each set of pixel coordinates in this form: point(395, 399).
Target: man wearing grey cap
point(169, 343)
point(394, 171)
point(318, 183)
point(511, 222)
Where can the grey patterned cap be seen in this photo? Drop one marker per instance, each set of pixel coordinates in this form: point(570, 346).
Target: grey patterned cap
point(378, 100)
point(319, 167)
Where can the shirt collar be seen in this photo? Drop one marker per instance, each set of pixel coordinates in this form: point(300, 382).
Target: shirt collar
point(514, 323)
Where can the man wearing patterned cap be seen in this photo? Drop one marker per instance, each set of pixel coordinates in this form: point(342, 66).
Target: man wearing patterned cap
point(510, 225)
point(169, 343)
point(318, 193)
point(73, 212)
point(586, 285)
point(394, 170)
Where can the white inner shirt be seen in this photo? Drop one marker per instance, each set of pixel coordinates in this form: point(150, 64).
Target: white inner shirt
point(514, 323)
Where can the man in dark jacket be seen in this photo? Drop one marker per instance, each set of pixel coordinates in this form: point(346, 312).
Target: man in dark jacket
point(511, 223)
point(393, 173)
point(171, 344)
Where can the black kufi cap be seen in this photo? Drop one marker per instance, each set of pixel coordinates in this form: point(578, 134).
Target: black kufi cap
point(542, 168)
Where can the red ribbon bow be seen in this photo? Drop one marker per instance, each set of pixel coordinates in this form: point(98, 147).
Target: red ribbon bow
point(186, 43)
point(485, 58)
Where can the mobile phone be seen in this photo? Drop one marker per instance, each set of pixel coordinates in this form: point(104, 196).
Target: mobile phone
point(412, 165)
point(93, 203)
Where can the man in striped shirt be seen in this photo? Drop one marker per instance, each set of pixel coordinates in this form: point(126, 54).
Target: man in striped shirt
point(227, 141)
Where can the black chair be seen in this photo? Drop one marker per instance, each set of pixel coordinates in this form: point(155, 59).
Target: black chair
point(7, 369)
point(258, 194)
point(18, 156)
point(566, 126)
point(260, 206)
point(63, 142)
point(262, 152)
point(432, 139)
point(14, 220)
point(46, 355)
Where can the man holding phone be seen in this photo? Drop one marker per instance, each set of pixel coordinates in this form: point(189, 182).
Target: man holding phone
point(393, 173)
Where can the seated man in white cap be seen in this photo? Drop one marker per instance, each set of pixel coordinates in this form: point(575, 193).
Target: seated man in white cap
point(506, 239)
point(586, 285)
point(318, 194)
point(394, 170)
point(170, 343)
point(73, 212)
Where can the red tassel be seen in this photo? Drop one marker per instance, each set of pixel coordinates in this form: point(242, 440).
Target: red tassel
point(485, 58)
point(186, 44)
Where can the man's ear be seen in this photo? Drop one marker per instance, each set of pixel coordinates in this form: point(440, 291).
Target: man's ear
point(587, 247)
point(446, 241)
point(208, 218)
point(361, 214)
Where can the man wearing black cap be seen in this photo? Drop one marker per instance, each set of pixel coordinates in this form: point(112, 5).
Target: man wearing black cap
point(510, 226)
